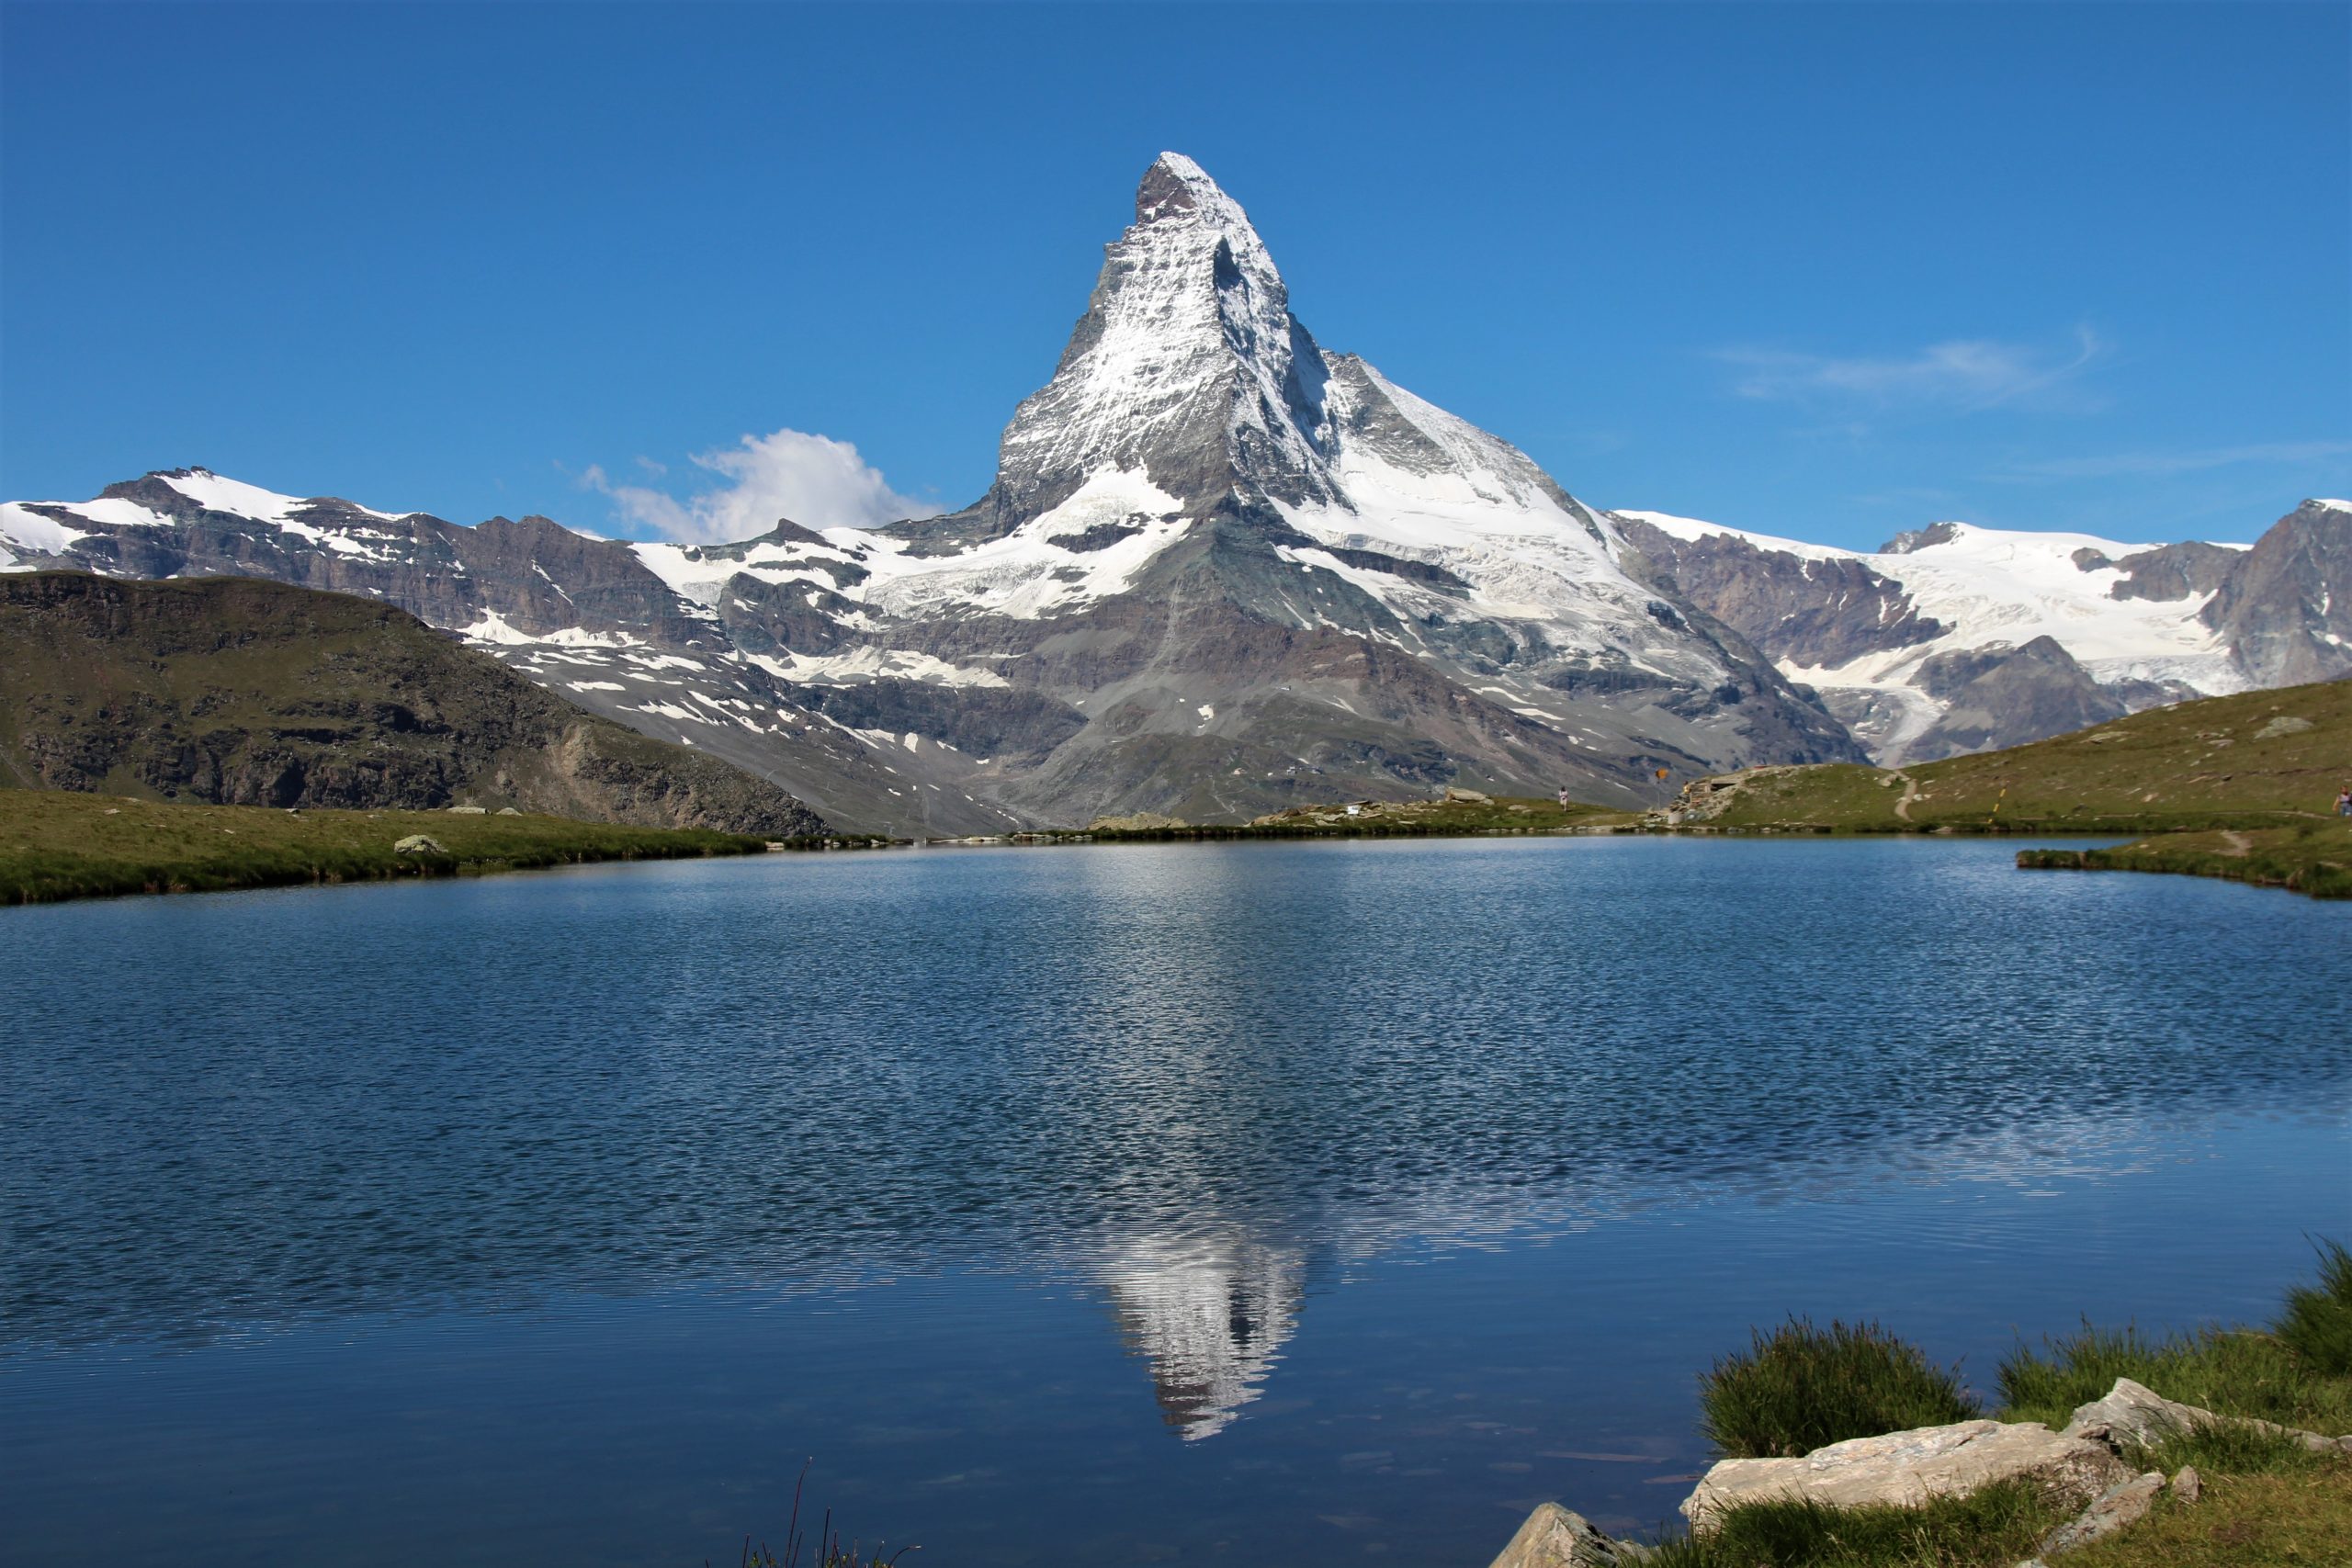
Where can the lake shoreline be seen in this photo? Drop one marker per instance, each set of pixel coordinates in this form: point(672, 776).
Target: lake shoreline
point(58, 846)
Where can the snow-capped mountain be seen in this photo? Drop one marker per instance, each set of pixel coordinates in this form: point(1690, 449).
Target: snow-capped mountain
point(1220, 570)
point(584, 617)
point(1958, 639)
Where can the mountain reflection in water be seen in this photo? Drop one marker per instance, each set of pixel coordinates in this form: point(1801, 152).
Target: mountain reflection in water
point(1210, 1316)
point(805, 1073)
point(562, 1217)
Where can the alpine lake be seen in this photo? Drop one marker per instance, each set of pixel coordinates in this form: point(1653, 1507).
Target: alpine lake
point(1267, 1203)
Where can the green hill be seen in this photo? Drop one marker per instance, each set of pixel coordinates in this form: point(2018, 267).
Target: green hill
point(234, 691)
point(2255, 759)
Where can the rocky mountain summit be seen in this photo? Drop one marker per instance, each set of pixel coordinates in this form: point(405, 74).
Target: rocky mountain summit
point(1222, 571)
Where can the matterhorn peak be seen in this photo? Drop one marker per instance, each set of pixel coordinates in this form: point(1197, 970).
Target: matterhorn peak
point(1187, 367)
point(1175, 187)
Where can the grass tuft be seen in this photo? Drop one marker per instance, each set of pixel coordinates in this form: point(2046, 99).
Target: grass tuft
point(1996, 1526)
point(825, 1552)
point(2317, 1324)
point(2232, 1451)
point(1801, 1387)
point(2230, 1373)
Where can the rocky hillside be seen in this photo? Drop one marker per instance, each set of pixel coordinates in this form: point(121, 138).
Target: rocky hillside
point(230, 691)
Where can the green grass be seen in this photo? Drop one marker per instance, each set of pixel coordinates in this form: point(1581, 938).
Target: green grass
point(2315, 858)
point(2317, 1322)
point(1989, 1528)
point(2215, 763)
point(2232, 1451)
point(57, 844)
point(1799, 1388)
point(2228, 1372)
point(2278, 1520)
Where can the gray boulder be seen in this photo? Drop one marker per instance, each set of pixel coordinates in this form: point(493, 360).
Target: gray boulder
point(2124, 1503)
point(1554, 1537)
point(2135, 1415)
point(1907, 1469)
point(418, 844)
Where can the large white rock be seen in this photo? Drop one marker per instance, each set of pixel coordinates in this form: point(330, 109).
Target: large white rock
point(1554, 1537)
point(2135, 1415)
point(1906, 1469)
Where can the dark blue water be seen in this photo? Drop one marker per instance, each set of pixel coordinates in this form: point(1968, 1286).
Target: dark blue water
point(1269, 1204)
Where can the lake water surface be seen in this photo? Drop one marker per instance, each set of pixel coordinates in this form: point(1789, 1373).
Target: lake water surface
point(1288, 1204)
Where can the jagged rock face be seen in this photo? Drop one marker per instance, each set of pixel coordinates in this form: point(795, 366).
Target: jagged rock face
point(1809, 611)
point(1187, 364)
point(2286, 607)
point(2001, 698)
point(2168, 572)
point(191, 523)
point(257, 693)
point(1221, 571)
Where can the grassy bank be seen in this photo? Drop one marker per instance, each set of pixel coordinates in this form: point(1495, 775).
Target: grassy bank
point(57, 844)
point(2310, 857)
point(1369, 820)
point(2256, 760)
point(2267, 1498)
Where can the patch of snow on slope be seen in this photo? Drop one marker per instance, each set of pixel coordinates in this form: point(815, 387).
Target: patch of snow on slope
point(493, 628)
point(21, 526)
point(1692, 528)
point(699, 583)
point(874, 663)
point(214, 493)
point(1483, 510)
point(1025, 574)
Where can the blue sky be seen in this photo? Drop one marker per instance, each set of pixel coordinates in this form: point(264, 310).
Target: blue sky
point(1826, 271)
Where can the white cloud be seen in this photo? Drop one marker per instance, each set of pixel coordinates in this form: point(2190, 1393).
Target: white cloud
point(815, 481)
point(2163, 465)
point(1964, 374)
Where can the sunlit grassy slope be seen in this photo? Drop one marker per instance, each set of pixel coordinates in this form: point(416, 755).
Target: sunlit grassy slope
point(60, 844)
point(2256, 760)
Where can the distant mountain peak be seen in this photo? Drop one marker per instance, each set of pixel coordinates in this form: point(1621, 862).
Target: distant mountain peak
point(1187, 367)
point(1174, 185)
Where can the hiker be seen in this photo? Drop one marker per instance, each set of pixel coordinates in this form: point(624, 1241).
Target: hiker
point(2343, 801)
point(1564, 800)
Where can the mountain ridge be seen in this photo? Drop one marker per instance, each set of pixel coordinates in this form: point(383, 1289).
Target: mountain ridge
point(236, 690)
point(1879, 634)
point(1220, 570)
